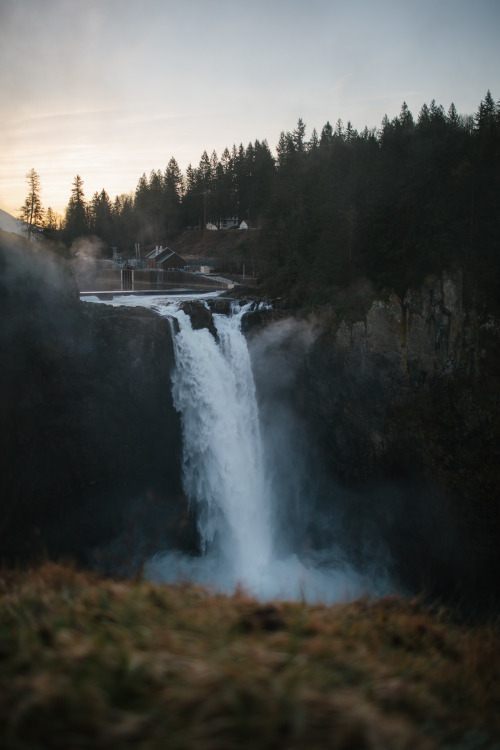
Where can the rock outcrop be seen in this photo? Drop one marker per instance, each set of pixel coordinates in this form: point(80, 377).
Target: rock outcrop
point(402, 406)
point(200, 316)
point(89, 436)
point(356, 374)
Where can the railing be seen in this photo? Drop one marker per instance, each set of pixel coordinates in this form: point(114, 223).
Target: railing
point(127, 278)
point(145, 278)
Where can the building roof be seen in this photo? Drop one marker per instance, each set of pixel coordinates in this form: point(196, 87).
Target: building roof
point(167, 254)
point(153, 253)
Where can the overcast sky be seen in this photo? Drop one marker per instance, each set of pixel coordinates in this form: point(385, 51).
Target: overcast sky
point(109, 89)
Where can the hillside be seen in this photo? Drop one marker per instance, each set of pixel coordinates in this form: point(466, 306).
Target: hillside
point(10, 224)
point(97, 663)
point(230, 249)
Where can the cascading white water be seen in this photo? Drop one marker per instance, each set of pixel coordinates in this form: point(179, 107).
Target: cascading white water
point(214, 392)
point(226, 477)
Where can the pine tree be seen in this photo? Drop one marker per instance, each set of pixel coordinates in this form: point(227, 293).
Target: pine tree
point(351, 133)
point(405, 118)
point(424, 117)
point(76, 214)
point(32, 212)
point(282, 149)
point(326, 136)
point(50, 221)
point(298, 136)
point(385, 128)
point(314, 141)
point(205, 170)
point(101, 220)
point(173, 179)
point(486, 116)
point(173, 188)
point(453, 118)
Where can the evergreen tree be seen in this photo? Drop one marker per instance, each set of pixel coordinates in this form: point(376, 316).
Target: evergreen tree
point(126, 227)
point(50, 221)
point(424, 117)
point(486, 116)
point(204, 169)
point(298, 136)
point(326, 136)
point(453, 118)
point(193, 199)
point(351, 133)
point(156, 209)
point(385, 128)
point(101, 219)
point(32, 212)
point(173, 188)
point(75, 224)
point(339, 130)
point(282, 149)
point(314, 141)
point(405, 118)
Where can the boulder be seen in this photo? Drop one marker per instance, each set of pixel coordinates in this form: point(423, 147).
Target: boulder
point(200, 315)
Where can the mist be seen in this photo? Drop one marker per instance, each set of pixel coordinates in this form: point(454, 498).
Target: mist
point(88, 405)
point(397, 532)
point(265, 510)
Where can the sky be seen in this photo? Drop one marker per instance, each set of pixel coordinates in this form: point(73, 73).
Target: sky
point(111, 89)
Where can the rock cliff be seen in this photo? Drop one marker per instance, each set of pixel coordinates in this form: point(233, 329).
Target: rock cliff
point(402, 405)
point(397, 409)
point(89, 437)
point(405, 353)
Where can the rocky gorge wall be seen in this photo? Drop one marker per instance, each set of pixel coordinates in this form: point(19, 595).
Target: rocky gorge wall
point(402, 404)
point(357, 372)
point(89, 438)
point(397, 410)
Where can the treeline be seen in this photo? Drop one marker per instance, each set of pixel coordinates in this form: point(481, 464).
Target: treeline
point(416, 195)
point(238, 184)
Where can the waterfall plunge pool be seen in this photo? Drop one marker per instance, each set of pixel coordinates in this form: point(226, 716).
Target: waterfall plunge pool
point(244, 476)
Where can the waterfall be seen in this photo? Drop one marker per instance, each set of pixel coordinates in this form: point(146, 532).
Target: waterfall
point(229, 482)
point(214, 392)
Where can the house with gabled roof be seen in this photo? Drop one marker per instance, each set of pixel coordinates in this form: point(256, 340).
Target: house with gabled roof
point(163, 258)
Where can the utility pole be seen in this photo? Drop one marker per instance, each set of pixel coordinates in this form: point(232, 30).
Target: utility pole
point(204, 223)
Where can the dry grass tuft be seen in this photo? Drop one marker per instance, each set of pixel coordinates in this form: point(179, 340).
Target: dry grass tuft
point(92, 663)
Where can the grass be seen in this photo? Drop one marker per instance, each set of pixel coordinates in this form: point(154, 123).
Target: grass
point(87, 662)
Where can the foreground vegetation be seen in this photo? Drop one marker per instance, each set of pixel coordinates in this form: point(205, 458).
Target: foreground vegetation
point(99, 663)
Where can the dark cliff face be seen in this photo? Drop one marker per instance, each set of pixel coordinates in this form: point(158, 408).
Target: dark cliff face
point(392, 425)
point(402, 410)
point(90, 440)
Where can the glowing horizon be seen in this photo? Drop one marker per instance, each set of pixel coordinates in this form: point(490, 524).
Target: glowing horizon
point(118, 88)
